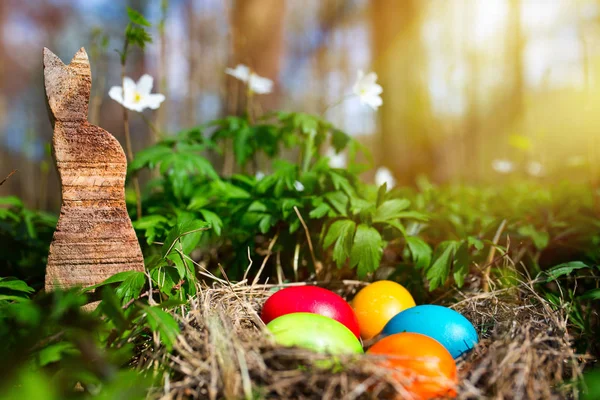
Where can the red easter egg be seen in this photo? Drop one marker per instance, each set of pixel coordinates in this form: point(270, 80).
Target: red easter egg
point(310, 299)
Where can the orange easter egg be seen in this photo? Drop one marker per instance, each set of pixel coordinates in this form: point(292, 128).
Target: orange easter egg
point(377, 303)
point(421, 364)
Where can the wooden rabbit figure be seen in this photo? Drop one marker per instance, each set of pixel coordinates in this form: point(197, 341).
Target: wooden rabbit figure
point(94, 238)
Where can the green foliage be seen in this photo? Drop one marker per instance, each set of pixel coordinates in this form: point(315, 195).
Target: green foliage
point(246, 211)
point(24, 239)
point(135, 33)
point(51, 336)
point(591, 385)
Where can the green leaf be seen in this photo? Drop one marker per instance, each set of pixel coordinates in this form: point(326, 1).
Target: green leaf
point(150, 157)
point(563, 269)
point(415, 215)
point(381, 192)
point(138, 36)
point(421, 252)
point(165, 278)
point(592, 384)
point(112, 308)
point(390, 209)
point(12, 201)
point(339, 201)
point(341, 232)
point(131, 287)
point(162, 322)
point(340, 182)
point(265, 224)
point(320, 211)
point(367, 250)
point(15, 285)
point(242, 149)
point(461, 264)
point(593, 294)
point(214, 220)
point(118, 277)
point(339, 140)
point(439, 271)
point(137, 18)
point(55, 352)
point(10, 297)
point(179, 264)
point(475, 242)
point(188, 228)
point(540, 238)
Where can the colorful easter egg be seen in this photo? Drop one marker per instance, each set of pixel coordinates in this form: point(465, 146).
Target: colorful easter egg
point(421, 364)
point(315, 332)
point(310, 299)
point(443, 324)
point(377, 303)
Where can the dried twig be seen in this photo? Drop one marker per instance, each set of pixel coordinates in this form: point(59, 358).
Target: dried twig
point(490, 259)
point(264, 263)
point(318, 266)
point(8, 176)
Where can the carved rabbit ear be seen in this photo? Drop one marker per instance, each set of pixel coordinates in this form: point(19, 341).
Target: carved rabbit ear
point(80, 57)
point(81, 63)
point(51, 59)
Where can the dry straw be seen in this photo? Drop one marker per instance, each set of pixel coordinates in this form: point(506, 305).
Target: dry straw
point(525, 352)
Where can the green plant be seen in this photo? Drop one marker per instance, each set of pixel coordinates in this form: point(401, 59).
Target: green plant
point(49, 340)
point(25, 236)
point(257, 213)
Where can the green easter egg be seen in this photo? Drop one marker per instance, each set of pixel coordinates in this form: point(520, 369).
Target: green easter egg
point(315, 332)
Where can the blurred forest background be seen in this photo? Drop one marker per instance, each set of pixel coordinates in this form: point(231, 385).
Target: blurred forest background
point(466, 82)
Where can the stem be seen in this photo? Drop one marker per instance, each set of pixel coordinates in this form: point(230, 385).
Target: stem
point(249, 103)
point(335, 104)
point(490, 259)
point(156, 133)
point(128, 149)
point(308, 151)
point(264, 263)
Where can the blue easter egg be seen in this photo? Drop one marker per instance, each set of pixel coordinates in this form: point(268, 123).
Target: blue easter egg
point(443, 324)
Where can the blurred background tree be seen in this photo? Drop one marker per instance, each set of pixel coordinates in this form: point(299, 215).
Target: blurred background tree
point(466, 82)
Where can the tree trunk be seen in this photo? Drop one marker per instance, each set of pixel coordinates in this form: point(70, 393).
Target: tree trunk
point(257, 27)
point(405, 115)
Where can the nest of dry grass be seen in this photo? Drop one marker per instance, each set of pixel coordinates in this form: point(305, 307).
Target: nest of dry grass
point(525, 352)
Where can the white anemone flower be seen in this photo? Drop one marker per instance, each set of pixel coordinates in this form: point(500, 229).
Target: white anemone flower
point(502, 166)
point(256, 83)
point(298, 186)
point(367, 89)
point(259, 175)
point(336, 160)
point(535, 168)
point(137, 95)
point(384, 175)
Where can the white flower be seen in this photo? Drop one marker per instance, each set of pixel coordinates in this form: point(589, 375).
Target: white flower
point(257, 83)
point(260, 85)
point(535, 168)
point(259, 175)
point(137, 96)
point(384, 175)
point(299, 186)
point(240, 72)
point(336, 160)
point(502, 166)
point(367, 89)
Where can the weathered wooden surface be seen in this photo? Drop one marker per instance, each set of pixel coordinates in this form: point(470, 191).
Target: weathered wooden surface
point(94, 238)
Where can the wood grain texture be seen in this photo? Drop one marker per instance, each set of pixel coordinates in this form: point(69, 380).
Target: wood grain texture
point(94, 238)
